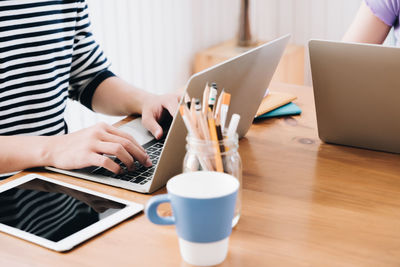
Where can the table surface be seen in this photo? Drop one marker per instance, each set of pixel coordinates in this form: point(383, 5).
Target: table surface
point(305, 203)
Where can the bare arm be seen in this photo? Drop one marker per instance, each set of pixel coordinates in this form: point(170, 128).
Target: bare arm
point(88, 146)
point(21, 152)
point(366, 28)
point(116, 97)
point(72, 151)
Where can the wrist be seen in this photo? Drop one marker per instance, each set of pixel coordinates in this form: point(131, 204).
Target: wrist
point(139, 100)
point(46, 150)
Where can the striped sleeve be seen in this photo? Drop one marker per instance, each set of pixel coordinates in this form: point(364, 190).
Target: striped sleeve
point(89, 65)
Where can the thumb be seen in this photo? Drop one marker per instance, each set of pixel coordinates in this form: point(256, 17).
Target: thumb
point(152, 125)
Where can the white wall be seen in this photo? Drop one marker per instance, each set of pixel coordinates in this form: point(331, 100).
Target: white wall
point(152, 43)
point(305, 19)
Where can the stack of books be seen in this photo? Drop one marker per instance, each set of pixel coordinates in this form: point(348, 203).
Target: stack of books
point(277, 104)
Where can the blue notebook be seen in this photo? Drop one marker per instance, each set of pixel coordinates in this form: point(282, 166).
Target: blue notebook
point(286, 110)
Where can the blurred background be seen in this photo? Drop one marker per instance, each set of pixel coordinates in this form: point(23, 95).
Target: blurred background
point(157, 44)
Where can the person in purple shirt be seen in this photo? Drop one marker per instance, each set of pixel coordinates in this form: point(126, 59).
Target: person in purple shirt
point(374, 21)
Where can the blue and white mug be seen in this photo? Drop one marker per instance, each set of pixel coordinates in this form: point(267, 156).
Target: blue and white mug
point(203, 205)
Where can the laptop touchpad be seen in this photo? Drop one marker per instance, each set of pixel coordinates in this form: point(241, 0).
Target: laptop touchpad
point(137, 131)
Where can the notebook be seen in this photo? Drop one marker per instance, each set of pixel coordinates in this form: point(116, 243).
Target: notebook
point(274, 100)
point(290, 109)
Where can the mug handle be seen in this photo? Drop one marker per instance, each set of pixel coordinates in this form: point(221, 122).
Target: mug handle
point(151, 210)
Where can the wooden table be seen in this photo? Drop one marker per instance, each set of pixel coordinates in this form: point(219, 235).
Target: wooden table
point(305, 203)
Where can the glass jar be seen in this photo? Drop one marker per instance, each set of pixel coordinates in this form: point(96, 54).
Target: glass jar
point(201, 156)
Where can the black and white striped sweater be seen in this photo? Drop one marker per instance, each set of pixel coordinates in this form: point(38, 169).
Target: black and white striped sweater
point(47, 53)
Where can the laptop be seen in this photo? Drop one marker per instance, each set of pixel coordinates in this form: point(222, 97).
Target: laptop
point(357, 93)
point(246, 77)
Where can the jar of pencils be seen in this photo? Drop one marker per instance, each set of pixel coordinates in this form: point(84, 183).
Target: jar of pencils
point(222, 156)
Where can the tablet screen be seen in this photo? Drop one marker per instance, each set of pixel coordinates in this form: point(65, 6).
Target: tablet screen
point(52, 211)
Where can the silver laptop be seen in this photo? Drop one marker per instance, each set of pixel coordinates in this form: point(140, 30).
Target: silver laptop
point(357, 93)
point(246, 77)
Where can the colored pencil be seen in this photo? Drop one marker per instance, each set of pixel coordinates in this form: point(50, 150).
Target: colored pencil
point(226, 99)
point(206, 94)
point(214, 138)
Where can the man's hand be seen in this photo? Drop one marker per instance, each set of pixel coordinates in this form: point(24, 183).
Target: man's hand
point(153, 108)
point(88, 147)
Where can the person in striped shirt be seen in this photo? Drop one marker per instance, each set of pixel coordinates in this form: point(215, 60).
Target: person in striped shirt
point(48, 53)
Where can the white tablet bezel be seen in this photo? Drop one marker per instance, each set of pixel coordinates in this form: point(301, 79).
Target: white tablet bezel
point(80, 236)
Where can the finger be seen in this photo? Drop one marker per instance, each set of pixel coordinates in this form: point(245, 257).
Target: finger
point(172, 105)
point(105, 162)
point(179, 97)
point(115, 131)
point(133, 149)
point(117, 150)
point(150, 123)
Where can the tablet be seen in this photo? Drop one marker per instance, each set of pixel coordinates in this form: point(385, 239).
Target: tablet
point(58, 215)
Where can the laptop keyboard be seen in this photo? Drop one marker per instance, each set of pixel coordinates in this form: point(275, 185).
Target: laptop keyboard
point(140, 175)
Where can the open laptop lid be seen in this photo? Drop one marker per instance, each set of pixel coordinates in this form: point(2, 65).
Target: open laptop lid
point(246, 77)
point(357, 92)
